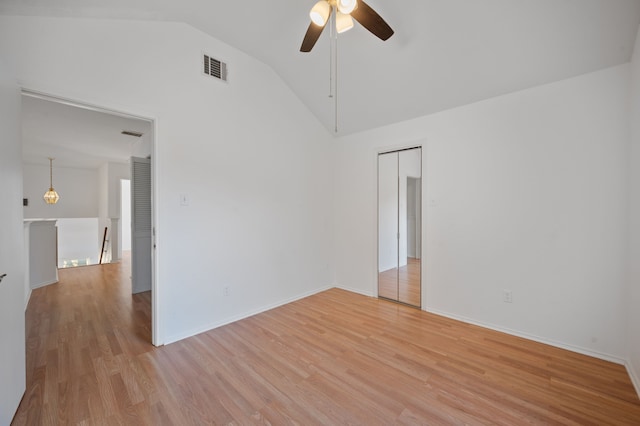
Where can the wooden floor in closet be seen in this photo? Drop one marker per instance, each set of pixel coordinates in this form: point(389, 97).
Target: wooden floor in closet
point(402, 284)
point(333, 358)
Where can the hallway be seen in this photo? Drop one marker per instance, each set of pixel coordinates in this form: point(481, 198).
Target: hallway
point(83, 335)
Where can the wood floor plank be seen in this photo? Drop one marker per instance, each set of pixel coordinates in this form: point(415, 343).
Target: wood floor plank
point(402, 284)
point(332, 358)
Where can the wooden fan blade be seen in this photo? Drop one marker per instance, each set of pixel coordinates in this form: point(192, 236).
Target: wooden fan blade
point(370, 19)
point(312, 36)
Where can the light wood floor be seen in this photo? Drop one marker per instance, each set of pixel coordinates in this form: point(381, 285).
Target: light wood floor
point(333, 358)
point(401, 284)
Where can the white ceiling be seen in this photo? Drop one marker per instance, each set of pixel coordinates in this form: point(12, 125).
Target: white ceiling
point(75, 137)
point(445, 53)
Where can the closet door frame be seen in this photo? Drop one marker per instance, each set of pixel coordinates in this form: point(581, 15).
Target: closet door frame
point(397, 152)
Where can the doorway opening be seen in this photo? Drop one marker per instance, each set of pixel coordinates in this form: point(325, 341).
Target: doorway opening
point(93, 147)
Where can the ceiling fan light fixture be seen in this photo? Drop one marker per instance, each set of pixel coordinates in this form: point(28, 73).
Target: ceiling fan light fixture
point(347, 6)
point(344, 22)
point(320, 13)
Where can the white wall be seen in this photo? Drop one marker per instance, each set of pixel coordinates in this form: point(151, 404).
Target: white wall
point(116, 173)
point(250, 157)
point(12, 287)
point(633, 301)
point(109, 177)
point(42, 250)
point(77, 240)
point(142, 147)
point(525, 192)
point(77, 189)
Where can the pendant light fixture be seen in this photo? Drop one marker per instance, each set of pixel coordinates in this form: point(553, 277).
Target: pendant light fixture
point(51, 196)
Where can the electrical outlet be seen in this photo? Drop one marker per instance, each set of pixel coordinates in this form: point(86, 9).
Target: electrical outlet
point(507, 296)
point(225, 291)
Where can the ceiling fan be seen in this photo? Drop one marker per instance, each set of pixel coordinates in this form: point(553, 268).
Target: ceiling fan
point(344, 12)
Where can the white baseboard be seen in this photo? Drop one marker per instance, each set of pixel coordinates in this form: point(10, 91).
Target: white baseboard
point(193, 332)
point(634, 377)
point(572, 348)
point(357, 291)
point(43, 284)
point(26, 301)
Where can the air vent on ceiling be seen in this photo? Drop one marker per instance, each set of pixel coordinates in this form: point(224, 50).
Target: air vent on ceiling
point(214, 68)
point(132, 133)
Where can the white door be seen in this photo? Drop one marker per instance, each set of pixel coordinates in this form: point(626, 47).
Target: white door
point(141, 225)
point(12, 286)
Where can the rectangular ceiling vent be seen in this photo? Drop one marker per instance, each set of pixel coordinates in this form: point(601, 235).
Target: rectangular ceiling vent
point(132, 133)
point(214, 68)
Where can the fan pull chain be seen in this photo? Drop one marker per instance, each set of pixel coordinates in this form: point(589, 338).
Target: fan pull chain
point(332, 30)
point(333, 63)
point(336, 87)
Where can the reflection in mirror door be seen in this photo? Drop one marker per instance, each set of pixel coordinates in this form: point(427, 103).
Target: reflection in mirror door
point(388, 226)
point(399, 226)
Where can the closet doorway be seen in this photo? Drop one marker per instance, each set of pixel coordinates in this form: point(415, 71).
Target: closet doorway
point(400, 226)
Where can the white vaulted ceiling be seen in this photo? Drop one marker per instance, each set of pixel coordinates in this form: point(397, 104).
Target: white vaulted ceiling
point(445, 53)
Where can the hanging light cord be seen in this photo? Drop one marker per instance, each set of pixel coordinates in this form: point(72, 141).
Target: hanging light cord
point(50, 173)
point(333, 64)
point(331, 31)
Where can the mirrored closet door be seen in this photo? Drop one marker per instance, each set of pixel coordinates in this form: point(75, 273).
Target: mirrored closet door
point(400, 225)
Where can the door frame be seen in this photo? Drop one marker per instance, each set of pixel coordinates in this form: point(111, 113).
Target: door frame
point(389, 150)
point(156, 318)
